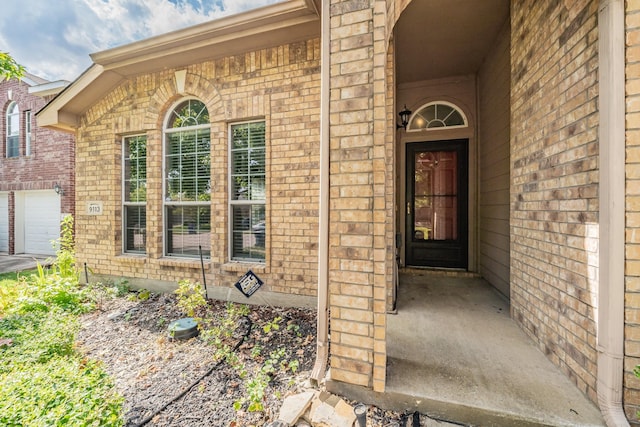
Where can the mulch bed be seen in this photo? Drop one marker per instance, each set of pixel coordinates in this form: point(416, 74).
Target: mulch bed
point(130, 336)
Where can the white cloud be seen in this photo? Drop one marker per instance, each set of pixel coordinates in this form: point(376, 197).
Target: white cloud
point(54, 39)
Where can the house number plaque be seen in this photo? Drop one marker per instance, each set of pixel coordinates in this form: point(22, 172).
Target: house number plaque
point(94, 208)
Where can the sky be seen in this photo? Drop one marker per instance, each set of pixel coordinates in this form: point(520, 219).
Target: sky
point(53, 38)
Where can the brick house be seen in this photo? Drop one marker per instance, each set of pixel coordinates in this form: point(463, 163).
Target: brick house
point(35, 161)
point(269, 141)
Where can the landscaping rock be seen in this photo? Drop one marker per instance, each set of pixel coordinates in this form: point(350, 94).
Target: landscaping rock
point(329, 410)
point(294, 406)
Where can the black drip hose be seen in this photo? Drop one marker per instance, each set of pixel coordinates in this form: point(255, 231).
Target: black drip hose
point(193, 384)
point(415, 420)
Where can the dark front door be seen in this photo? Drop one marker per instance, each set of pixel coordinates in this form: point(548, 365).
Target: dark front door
point(437, 204)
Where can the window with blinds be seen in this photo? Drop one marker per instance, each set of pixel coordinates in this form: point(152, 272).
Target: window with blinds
point(27, 133)
point(134, 193)
point(247, 191)
point(13, 130)
point(187, 180)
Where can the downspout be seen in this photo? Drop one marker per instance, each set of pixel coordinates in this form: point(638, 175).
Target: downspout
point(322, 351)
point(610, 312)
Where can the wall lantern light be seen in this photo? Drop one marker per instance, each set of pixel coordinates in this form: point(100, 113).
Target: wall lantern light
point(404, 118)
point(58, 189)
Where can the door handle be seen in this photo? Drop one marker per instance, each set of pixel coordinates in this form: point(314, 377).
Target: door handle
point(408, 208)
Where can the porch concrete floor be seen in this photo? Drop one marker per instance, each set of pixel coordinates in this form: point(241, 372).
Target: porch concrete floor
point(455, 353)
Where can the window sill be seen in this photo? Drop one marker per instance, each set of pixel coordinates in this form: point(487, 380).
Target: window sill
point(132, 258)
point(182, 262)
point(242, 267)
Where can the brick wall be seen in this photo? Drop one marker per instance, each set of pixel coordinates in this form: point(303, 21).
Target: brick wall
point(52, 151)
point(632, 269)
point(554, 181)
point(281, 85)
point(51, 159)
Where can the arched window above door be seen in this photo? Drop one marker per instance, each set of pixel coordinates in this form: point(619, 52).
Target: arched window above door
point(435, 115)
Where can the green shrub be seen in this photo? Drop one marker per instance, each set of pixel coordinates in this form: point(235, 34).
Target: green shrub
point(8, 293)
point(66, 253)
point(190, 296)
point(52, 291)
point(45, 380)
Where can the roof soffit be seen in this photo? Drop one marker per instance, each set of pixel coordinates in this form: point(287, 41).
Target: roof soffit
point(258, 26)
point(272, 25)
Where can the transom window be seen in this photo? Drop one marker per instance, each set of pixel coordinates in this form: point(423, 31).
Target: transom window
point(187, 180)
point(437, 115)
point(13, 130)
point(247, 191)
point(134, 193)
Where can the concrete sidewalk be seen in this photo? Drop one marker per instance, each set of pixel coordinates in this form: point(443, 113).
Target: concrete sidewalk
point(12, 263)
point(471, 361)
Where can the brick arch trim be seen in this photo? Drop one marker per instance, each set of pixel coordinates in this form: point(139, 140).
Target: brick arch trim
point(392, 10)
point(6, 105)
point(166, 94)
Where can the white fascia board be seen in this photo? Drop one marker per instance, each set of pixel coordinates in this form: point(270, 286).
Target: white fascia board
point(253, 22)
point(231, 35)
point(51, 88)
point(50, 114)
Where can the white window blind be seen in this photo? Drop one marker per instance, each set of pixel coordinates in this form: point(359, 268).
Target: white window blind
point(135, 193)
point(187, 179)
point(247, 191)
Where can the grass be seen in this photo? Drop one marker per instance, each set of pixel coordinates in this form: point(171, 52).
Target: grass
point(45, 380)
point(15, 275)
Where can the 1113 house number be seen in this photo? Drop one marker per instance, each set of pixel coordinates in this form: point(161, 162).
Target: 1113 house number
point(94, 208)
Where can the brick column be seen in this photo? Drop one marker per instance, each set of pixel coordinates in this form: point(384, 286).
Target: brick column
point(360, 225)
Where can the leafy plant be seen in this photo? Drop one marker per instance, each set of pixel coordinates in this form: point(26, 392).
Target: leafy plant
point(45, 380)
point(140, 295)
point(66, 254)
point(272, 325)
point(220, 332)
point(9, 68)
point(59, 391)
point(191, 297)
point(294, 328)
point(121, 288)
point(257, 386)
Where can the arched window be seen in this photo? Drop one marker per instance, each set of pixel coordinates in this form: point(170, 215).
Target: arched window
point(435, 115)
point(13, 130)
point(187, 180)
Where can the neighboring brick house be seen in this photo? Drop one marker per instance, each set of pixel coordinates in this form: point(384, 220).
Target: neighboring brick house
point(269, 140)
point(36, 169)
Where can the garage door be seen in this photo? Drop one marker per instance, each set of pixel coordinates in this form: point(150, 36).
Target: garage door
point(41, 221)
point(4, 222)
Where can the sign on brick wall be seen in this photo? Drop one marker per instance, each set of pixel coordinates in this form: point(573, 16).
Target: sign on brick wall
point(249, 284)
